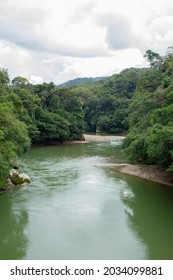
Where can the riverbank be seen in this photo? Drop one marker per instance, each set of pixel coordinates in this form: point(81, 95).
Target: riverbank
point(152, 173)
point(95, 138)
point(102, 138)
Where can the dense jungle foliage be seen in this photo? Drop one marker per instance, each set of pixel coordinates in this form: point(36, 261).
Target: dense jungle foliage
point(150, 137)
point(106, 102)
point(138, 100)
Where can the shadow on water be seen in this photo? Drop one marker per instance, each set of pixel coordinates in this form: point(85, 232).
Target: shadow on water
point(149, 211)
point(13, 240)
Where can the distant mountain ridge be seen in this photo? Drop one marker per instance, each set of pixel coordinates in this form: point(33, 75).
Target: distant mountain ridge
point(78, 81)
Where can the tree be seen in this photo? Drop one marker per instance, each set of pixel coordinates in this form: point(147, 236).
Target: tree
point(154, 59)
point(52, 127)
point(109, 97)
point(4, 78)
point(20, 81)
point(13, 139)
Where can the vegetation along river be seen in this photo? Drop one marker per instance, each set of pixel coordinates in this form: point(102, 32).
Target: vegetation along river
point(78, 207)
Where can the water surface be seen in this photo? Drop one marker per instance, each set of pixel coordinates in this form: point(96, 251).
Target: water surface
point(77, 207)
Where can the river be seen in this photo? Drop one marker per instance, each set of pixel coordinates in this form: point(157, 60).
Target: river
point(78, 207)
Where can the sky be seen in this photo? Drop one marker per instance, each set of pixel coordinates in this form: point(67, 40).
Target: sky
point(59, 40)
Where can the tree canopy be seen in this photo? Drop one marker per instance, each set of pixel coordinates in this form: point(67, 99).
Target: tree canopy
point(150, 137)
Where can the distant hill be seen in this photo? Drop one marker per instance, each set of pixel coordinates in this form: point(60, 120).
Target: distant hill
point(78, 81)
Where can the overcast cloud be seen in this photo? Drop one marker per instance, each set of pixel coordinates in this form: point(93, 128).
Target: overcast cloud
point(58, 40)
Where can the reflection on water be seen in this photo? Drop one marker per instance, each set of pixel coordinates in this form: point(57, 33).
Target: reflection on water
point(150, 215)
point(13, 240)
point(77, 208)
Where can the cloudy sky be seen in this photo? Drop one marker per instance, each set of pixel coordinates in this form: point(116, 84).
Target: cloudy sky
point(59, 40)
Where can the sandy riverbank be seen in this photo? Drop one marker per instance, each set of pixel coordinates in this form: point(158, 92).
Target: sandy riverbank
point(102, 138)
point(152, 173)
point(96, 138)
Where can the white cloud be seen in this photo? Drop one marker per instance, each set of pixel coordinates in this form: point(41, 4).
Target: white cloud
point(162, 25)
point(36, 80)
point(161, 30)
point(57, 40)
point(119, 35)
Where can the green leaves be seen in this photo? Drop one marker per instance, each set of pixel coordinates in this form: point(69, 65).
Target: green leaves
point(106, 102)
point(4, 78)
point(51, 126)
point(150, 138)
point(154, 59)
point(13, 139)
point(159, 142)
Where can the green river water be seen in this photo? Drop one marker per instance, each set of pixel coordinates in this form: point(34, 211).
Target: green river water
point(78, 207)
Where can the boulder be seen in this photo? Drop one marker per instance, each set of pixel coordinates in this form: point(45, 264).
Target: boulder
point(18, 179)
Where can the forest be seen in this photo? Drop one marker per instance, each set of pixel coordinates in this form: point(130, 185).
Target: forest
point(137, 103)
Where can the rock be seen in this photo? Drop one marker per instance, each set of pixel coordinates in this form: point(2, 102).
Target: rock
point(25, 178)
point(2, 190)
point(18, 179)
